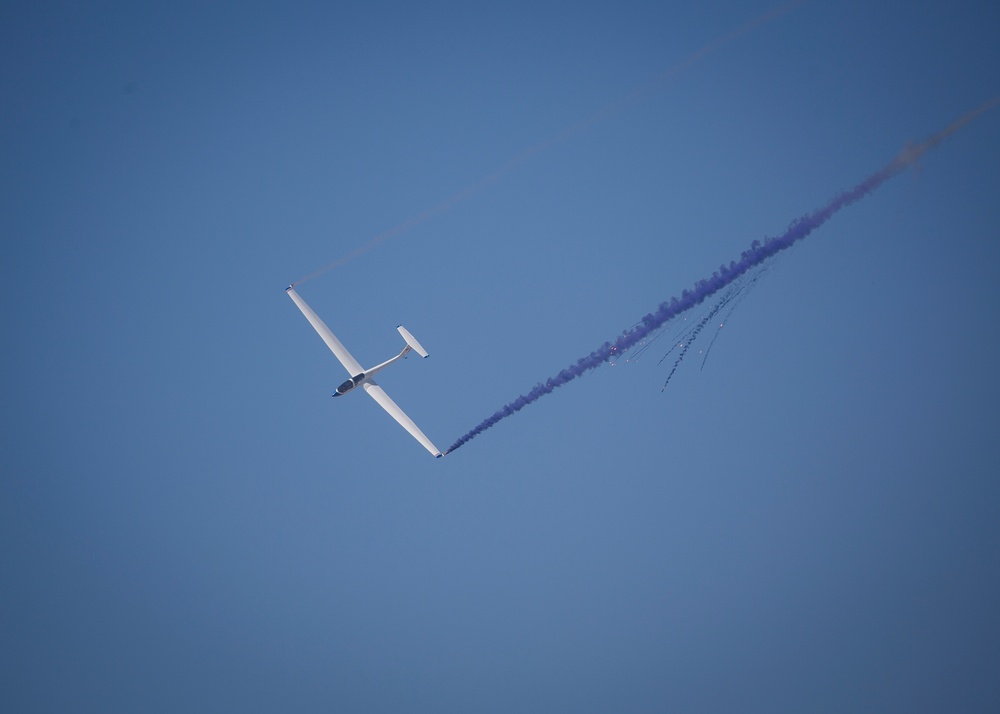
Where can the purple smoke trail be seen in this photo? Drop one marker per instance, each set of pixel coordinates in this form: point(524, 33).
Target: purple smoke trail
point(726, 275)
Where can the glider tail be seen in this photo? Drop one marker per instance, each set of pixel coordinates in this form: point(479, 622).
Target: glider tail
point(412, 341)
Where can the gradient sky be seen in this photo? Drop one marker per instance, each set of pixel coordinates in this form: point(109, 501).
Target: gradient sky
point(189, 523)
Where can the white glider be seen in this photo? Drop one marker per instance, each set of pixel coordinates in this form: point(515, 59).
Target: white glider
point(361, 377)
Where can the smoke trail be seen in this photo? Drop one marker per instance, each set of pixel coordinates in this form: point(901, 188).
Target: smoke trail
point(685, 346)
point(727, 298)
point(682, 334)
point(741, 293)
point(726, 275)
point(605, 112)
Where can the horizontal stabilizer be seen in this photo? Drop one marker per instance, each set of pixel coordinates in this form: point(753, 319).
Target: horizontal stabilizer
point(412, 341)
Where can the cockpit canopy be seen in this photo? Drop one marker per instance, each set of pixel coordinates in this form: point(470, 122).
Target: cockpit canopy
point(351, 383)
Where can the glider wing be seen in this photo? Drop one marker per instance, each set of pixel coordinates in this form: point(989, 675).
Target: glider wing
point(352, 366)
point(378, 394)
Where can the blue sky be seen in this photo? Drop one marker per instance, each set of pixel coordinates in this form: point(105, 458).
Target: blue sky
point(189, 522)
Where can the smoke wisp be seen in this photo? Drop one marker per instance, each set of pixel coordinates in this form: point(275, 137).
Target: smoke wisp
point(607, 111)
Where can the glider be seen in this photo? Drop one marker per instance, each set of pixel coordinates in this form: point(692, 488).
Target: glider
point(361, 377)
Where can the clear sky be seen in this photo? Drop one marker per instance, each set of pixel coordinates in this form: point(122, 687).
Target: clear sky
point(189, 523)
